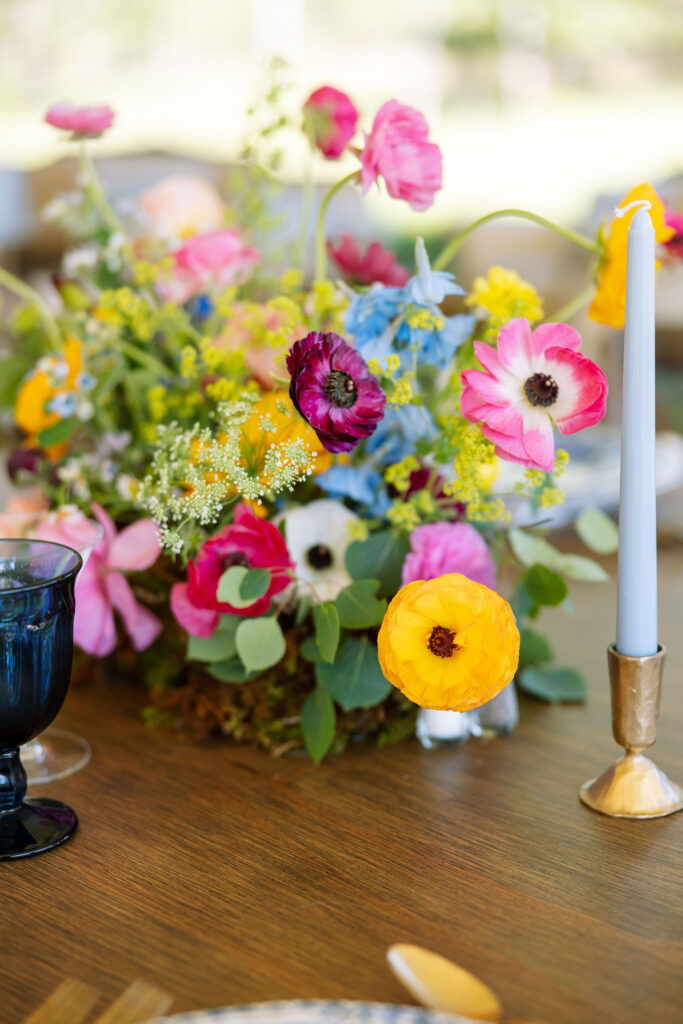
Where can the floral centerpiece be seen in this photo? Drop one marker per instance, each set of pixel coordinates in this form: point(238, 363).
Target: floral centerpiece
point(280, 466)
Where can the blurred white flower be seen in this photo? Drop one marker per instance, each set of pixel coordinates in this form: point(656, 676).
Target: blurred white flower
point(317, 537)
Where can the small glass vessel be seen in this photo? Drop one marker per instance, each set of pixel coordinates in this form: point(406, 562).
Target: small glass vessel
point(36, 646)
point(498, 716)
point(437, 729)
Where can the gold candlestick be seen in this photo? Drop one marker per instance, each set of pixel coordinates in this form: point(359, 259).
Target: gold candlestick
point(634, 787)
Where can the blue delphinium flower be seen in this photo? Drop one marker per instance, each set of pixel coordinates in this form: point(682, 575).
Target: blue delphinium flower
point(397, 433)
point(371, 313)
point(361, 483)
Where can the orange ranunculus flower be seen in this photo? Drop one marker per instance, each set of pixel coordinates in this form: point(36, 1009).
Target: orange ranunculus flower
point(449, 643)
point(289, 426)
point(609, 303)
point(51, 378)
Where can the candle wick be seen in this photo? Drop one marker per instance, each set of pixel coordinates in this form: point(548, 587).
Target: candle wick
point(621, 211)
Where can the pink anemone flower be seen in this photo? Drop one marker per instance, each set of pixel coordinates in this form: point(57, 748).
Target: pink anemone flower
point(82, 122)
point(101, 587)
point(529, 382)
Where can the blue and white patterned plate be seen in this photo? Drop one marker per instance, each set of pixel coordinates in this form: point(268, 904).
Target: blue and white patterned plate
point(316, 1011)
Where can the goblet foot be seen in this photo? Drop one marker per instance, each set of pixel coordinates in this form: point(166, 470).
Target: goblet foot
point(54, 755)
point(36, 826)
point(633, 787)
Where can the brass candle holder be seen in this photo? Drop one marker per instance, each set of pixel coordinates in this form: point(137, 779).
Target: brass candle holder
point(634, 787)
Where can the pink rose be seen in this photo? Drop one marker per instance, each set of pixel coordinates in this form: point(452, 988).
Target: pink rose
point(375, 264)
point(83, 122)
point(249, 541)
point(180, 206)
point(439, 548)
point(398, 149)
point(216, 259)
point(331, 118)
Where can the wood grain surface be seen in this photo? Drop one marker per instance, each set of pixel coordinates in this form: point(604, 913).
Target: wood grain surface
point(225, 876)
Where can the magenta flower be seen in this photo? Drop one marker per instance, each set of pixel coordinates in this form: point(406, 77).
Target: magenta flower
point(674, 246)
point(101, 587)
point(249, 541)
point(331, 118)
point(216, 259)
point(529, 382)
point(439, 548)
point(375, 264)
point(82, 122)
point(334, 391)
point(398, 149)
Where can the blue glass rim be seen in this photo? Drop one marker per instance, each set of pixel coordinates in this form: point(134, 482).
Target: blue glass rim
point(61, 577)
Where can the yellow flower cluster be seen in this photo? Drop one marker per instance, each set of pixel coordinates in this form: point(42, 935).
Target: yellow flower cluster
point(538, 485)
point(147, 273)
point(422, 319)
point(502, 295)
point(475, 469)
point(127, 309)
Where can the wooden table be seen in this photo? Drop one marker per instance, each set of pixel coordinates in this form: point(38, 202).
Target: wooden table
point(225, 876)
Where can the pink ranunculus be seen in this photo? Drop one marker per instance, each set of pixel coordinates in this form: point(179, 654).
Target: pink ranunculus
point(216, 259)
point(529, 382)
point(101, 587)
point(249, 541)
point(674, 246)
point(82, 122)
point(375, 264)
point(180, 206)
point(439, 548)
point(398, 149)
point(331, 119)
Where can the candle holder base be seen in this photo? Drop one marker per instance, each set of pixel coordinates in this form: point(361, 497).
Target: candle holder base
point(634, 787)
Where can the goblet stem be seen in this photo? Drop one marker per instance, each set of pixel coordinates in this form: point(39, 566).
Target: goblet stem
point(12, 780)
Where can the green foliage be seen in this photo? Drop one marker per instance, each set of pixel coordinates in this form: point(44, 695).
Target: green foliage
point(597, 531)
point(358, 607)
point(309, 650)
point(534, 648)
point(544, 586)
point(531, 550)
point(382, 554)
point(240, 587)
point(260, 643)
point(318, 721)
point(554, 684)
point(355, 679)
point(59, 432)
point(217, 647)
point(230, 671)
point(326, 622)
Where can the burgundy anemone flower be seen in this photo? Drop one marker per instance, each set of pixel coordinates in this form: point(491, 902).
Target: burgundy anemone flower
point(334, 391)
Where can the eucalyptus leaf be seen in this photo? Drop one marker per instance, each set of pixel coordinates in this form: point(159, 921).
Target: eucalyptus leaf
point(230, 671)
point(326, 622)
point(309, 650)
point(240, 587)
point(358, 607)
point(260, 643)
point(254, 585)
point(317, 723)
point(597, 531)
point(534, 648)
point(355, 679)
point(217, 647)
point(533, 550)
point(381, 555)
point(545, 586)
point(554, 684)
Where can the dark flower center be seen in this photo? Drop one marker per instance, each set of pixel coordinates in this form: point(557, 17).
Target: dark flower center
point(541, 389)
point(341, 389)
point(319, 556)
point(442, 642)
point(235, 558)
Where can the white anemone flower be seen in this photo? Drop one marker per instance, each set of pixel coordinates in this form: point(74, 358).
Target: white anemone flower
point(317, 537)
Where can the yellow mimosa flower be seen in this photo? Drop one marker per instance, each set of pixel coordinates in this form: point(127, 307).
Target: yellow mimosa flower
point(609, 303)
point(448, 643)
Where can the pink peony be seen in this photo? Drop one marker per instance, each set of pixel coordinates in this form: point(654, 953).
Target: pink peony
point(375, 264)
point(217, 259)
point(181, 206)
point(101, 587)
point(529, 382)
point(674, 246)
point(249, 541)
point(82, 122)
point(439, 548)
point(398, 149)
point(331, 118)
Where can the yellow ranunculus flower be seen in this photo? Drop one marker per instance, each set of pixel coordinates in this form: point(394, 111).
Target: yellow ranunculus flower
point(51, 377)
point(448, 643)
point(289, 426)
point(609, 303)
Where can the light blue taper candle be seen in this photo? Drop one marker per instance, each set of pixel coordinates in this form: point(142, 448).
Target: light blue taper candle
point(637, 585)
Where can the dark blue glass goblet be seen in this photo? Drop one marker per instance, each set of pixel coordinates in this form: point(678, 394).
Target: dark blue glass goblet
point(36, 646)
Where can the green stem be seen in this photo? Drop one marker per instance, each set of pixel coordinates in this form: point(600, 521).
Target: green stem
point(320, 249)
point(573, 306)
point(143, 358)
point(94, 190)
point(24, 291)
point(572, 236)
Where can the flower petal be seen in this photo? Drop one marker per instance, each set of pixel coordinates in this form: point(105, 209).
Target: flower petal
point(197, 621)
point(141, 625)
point(514, 348)
point(537, 439)
point(554, 336)
point(582, 393)
point(94, 629)
point(136, 547)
